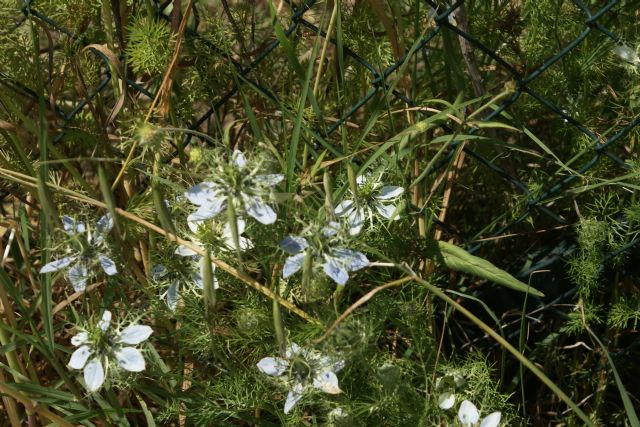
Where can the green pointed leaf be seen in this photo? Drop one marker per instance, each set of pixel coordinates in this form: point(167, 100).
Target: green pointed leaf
point(456, 258)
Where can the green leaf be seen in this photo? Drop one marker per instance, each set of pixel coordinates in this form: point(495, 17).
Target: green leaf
point(456, 258)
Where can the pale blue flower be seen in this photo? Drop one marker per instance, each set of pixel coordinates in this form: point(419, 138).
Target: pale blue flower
point(97, 347)
point(325, 250)
point(88, 251)
point(159, 274)
point(197, 262)
point(372, 198)
point(319, 372)
point(236, 180)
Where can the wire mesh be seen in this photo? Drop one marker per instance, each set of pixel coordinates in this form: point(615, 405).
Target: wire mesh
point(380, 82)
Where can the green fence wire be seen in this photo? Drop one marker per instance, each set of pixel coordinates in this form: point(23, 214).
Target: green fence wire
point(380, 83)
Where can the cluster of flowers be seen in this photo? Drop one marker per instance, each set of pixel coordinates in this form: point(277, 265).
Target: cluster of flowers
point(99, 345)
point(468, 413)
point(242, 192)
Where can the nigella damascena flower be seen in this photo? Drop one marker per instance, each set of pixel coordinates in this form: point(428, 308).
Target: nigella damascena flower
point(323, 247)
point(197, 266)
point(160, 274)
point(303, 368)
point(225, 234)
point(88, 250)
point(234, 181)
point(372, 197)
point(99, 345)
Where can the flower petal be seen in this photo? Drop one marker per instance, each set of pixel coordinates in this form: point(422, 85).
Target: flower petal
point(361, 180)
point(173, 295)
point(345, 207)
point(626, 54)
point(158, 271)
point(327, 381)
point(335, 270)
point(295, 394)
point(292, 350)
point(108, 265)
point(389, 192)
point(227, 235)
point(78, 276)
point(184, 251)
point(79, 357)
point(293, 264)
point(331, 229)
point(468, 413)
point(355, 221)
point(135, 334)
point(93, 374)
point(194, 225)
point(238, 159)
point(68, 224)
point(80, 338)
point(269, 180)
point(273, 366)
point(72, 227)
point(130, 359)
point(209, 210)
point(105, 321)
point(352, 260)
point(387, 211)
point(294, 244)
point(491, 420)
point(446, 400)
point(245, 244)
point(104, 224)
point(202, 194)
point(326, 363)
point(240, 223)
point(200, 279)
point(258, 209)
point(57, 264)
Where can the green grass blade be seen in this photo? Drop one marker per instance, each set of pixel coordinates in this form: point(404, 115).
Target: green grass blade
point(457, 259)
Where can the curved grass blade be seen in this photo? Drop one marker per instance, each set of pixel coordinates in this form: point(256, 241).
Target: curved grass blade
point(456, 258)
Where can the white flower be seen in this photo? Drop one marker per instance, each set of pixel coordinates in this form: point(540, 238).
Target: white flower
point(89, 250)
point(468, 415)
point(237, 181)
point(97, 347)
point(197, 260)
point(198, 264)
point(303, 368)
point(337, 261)
point(372, 198)
point(159, 274)
point(226, 234)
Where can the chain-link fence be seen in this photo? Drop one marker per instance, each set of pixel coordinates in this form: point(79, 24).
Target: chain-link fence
point(442, 20)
